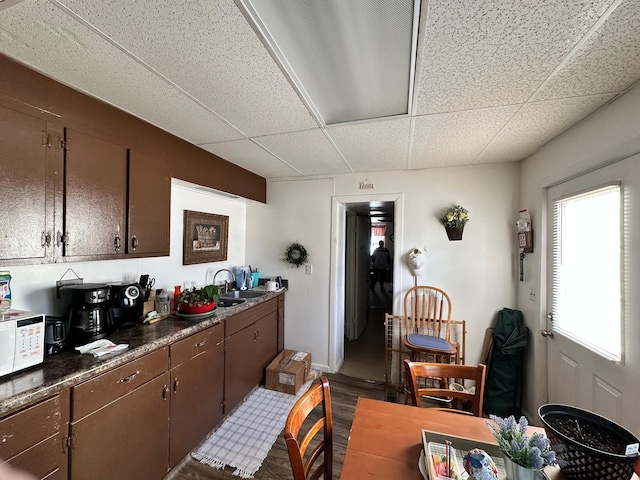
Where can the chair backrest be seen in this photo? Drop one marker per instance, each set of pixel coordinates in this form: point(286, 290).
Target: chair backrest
point(304, 469)
point(427, 311)
point(416, 370)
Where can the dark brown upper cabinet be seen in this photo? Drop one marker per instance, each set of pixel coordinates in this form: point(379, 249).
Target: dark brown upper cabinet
point(95, 197)
point(31, 158)
point(149, 206)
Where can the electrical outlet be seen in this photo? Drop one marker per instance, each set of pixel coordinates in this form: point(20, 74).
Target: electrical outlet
point(308, 269)
point(532, 294)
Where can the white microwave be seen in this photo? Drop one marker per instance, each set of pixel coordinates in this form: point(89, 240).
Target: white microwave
point(21, 340)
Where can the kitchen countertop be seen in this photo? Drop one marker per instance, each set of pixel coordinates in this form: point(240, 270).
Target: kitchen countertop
point(70, 368)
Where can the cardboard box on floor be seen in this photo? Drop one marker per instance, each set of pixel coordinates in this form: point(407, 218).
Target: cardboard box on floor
point(288, 371)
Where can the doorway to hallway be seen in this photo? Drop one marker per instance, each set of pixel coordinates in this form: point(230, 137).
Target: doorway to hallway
point(367, 225)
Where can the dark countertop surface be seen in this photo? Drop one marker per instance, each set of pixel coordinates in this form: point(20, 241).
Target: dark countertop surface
point(70, 368)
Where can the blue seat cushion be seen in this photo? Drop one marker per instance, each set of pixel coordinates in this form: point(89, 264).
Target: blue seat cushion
point(426, 341)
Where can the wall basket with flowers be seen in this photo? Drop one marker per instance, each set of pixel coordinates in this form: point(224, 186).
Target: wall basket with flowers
point(454, 219)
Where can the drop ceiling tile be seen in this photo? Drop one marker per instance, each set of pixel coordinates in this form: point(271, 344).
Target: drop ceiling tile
point(374, 146)
point(44, 37)
point(247, 154)
point(537, 123)
point(209, 49)
point(609, 61)
point(309, 152)
point(453, 139)
point(483, 54)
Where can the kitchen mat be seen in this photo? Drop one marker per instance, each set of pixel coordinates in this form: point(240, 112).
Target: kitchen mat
point(245, 438)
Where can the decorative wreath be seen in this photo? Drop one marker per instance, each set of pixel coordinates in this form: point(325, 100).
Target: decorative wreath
point(296, 255)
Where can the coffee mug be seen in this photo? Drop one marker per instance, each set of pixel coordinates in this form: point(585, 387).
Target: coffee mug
point(271, 285)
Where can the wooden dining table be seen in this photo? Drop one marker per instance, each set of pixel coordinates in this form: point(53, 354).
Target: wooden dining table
point(386, 439)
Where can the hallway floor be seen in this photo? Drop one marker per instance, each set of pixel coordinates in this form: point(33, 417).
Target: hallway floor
point(364, 357)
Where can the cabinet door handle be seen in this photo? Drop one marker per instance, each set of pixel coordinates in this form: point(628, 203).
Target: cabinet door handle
point(165, 393)
point(201, 343)
point(129, 377)
point(134, 242)
point(44, 139)
point(175, 385)
point(117, 243)
point(61, 238)
point(45, 239)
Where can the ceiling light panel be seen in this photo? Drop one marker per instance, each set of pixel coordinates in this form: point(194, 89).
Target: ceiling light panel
point(350, 60)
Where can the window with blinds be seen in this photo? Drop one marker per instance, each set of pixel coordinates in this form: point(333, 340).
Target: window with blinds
point(587, 267)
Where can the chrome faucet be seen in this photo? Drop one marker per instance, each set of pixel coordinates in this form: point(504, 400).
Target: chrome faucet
point(225, 288)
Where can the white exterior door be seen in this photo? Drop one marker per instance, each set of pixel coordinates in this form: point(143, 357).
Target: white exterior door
point(577, 374)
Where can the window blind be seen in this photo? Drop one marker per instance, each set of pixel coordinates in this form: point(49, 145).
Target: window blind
point(586, 262)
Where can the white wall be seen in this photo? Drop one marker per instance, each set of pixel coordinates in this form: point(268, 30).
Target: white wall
point(609, 134)
point(478, 272)
point(296, 211)
point(33, 286)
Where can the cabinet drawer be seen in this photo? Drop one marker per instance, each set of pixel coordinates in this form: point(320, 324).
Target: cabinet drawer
point(27, 427)
point(47, 460)
point(192, 346)
point(241, 320)
point(104, 389)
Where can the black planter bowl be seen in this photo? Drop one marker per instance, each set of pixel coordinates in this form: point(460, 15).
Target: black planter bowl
point(581, 457)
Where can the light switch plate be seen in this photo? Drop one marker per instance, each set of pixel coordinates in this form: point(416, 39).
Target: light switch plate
point(308, 269)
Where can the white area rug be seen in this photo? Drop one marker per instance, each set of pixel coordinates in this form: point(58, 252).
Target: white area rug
point(245, 438)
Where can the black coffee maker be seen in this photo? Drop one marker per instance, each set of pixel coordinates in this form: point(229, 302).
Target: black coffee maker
point(127, 300)
point(86, 312)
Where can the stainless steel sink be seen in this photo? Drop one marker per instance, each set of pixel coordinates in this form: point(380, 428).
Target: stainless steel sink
point(242, 294)
point(230, 302)
point(236, 297)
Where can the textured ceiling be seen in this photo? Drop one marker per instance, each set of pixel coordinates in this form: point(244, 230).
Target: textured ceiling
point(494, 80)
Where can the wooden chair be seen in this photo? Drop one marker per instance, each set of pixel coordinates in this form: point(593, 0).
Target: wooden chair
point(416, 370)
point(302, 470)
point(427, 312)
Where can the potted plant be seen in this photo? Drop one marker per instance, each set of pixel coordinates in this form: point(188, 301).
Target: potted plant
point(587, 442)
point(198, 300)
point(523, 455)
point(454, 219)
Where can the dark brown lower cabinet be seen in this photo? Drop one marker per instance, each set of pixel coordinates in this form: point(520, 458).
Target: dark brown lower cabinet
point(249, 351)
point(120, 422)
point(34, 438)
point(197, 373)
point(125, 439)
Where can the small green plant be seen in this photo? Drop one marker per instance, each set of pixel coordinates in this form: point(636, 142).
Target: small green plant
point(200, 296)
point(455, 216)
point(530, 452)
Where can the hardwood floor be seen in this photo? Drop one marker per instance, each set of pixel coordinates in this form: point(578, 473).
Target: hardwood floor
point(344, 395)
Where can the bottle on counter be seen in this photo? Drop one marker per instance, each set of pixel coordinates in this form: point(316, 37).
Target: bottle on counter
point(5, 290)
point(162, 302)
point(176, 294)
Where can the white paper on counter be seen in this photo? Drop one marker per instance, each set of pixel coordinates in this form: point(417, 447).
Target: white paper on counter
point(101, 347)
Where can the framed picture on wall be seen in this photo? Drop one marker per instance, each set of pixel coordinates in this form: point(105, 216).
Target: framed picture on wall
point(205, 237)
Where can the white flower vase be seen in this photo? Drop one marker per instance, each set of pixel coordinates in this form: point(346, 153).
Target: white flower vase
point(518, 472)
